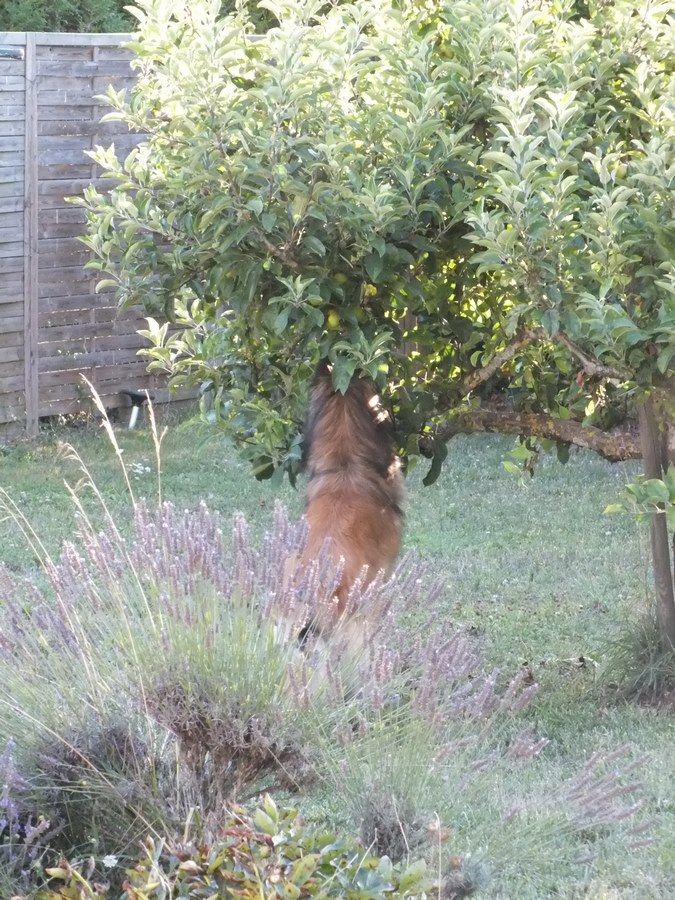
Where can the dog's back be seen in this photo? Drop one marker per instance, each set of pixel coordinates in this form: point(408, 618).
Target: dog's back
point(355, 484)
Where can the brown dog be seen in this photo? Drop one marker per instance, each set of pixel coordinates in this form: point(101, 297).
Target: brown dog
point(355, 484)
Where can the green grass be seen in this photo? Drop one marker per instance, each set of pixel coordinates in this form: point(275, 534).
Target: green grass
point(539, 572)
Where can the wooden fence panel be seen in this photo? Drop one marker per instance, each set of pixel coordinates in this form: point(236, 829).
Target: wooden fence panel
point(12, 240)
point(53, 326)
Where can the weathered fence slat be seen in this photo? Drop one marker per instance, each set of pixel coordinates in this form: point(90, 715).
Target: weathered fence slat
point(30, 240)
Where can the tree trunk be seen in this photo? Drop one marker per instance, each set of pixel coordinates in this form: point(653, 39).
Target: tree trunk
point(654, 456)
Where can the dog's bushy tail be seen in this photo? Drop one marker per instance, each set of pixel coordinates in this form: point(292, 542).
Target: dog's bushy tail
point(355, 485)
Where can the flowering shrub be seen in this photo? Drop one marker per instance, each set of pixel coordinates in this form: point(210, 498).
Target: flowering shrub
point(164, 671)
point(22, 835)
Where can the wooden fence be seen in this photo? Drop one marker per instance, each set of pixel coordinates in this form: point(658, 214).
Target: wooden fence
point(52, 325)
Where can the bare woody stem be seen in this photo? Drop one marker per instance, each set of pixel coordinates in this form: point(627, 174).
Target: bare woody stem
point(653, 450)
point(280, 253)
point(590, 364)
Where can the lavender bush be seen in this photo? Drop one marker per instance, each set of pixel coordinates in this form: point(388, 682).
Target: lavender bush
point(23, 836)
point(167, 637)
point(163, 671)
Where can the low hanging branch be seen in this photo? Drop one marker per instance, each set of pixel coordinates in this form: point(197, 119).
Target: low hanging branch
point(614, 446)
point(496, 417)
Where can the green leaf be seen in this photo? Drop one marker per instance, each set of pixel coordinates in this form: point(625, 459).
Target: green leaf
point(412, 876)
point(303, 868)
point(562, 452)
point(105, 283)
point(266, 823)
point(437, 460)
point(255, 205)
point(669, 481)
point(343, 370)
point(315, 245)
point(281, 321)
point(298, 207)
point(379, 245)
point(489, 259)
point(268, 221)
point(263, 470)
point(316, 315)
point(655, 491)
point(236, 236)
point(385, 868)
point(664, 358)
point(373, 264)
point(499, 159)
point(550, 320)
point(512, 468)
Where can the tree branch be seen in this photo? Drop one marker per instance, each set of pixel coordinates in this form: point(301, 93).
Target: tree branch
point(590, 364)
point(614, 446)
point(475, 379)
point(280, 253)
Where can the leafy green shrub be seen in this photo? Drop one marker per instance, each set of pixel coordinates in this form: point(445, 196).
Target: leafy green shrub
point(92, 15)
point(269, 852)
point(64, 15)
point(267, 144)
point(647, 497)
point(453, 198)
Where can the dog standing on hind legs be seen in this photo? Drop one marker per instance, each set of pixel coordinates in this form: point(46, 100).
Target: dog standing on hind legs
point(355, 484)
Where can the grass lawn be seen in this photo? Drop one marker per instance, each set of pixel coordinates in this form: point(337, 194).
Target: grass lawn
point(537, 571)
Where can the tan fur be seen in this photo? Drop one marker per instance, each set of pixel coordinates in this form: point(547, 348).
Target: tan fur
point(355, 483)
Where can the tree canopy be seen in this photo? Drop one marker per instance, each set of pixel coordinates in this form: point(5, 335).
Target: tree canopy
point(87, 15)
point(470, 202)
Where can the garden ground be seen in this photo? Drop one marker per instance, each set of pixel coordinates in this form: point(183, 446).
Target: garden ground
point(537, 572)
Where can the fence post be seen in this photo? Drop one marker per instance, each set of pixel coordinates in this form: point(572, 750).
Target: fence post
point(30, 241)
